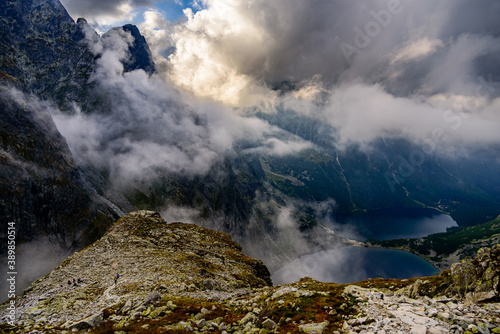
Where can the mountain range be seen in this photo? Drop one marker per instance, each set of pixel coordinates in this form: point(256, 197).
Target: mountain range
point(56, 72)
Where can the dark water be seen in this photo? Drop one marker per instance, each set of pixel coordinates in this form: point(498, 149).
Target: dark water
point(394, 223)
point(354, 264)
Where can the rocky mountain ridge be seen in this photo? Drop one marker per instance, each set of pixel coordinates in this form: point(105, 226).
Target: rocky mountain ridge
point(177, 278)
point(50, 55)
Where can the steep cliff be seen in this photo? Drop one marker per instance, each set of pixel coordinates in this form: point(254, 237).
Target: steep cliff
point(46, 62)
point(41, 190)
point(53, 57)
point(41, 46)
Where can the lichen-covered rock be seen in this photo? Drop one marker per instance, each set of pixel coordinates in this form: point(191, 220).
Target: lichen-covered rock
point(88, 322)
point(478, 279)
point(269, 325)
point(313, 328)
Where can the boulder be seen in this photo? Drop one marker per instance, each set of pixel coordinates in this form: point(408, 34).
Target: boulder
point(152, 298)
point(89, 322)
point(477, 280)
point(269, 324)
point(313, 328)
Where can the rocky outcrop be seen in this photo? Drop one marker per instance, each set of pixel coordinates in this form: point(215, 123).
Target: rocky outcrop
point(140, 258)
point(382, 311)
point(478, 279)
point(140, 54)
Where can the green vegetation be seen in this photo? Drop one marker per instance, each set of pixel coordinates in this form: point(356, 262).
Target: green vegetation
point(436, 246)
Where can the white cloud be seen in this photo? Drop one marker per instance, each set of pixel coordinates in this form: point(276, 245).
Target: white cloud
point(157, 32)
point(417, 50)
point(405, 83)
point(360, 113)
point(150, 128)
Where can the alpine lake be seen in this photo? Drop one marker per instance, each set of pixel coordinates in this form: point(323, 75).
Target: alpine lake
point(353, 264)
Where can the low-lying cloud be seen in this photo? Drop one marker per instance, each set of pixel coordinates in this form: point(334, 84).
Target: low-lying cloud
point(149, 127)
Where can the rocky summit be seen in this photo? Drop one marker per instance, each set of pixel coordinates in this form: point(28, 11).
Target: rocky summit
point(147, 276)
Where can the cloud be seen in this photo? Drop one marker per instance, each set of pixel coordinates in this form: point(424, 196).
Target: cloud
point(417, 50)
point(102, 12)
point(337, 266)
point(149, 128)
point(34, 259)
point(416, 72)
point(157, 32)
point(360, 114)
point(238, 52)
point(277, 147)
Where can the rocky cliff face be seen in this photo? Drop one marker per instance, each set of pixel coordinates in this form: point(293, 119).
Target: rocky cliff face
point(140, 55)
point(41, 46)
point(175, 278)
point(49, 54)
point(41, 190)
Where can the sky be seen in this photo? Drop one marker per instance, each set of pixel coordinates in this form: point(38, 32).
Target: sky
point(423, 70)
point(109, 13)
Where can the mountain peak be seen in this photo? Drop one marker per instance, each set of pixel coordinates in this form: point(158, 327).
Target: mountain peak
point(140, 54)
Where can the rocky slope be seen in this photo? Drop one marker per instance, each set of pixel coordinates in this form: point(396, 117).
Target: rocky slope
point(149, 256)
point(177, 278)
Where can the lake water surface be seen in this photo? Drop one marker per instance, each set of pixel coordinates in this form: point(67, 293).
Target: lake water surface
point(395, 223)
point(353, 264)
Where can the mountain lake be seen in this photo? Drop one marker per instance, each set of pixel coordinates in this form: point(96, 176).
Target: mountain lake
point(353, 264)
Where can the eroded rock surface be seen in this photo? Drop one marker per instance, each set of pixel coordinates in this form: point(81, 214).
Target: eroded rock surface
point(478, 279)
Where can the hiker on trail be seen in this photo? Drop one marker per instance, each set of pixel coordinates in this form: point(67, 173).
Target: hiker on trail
point(116, 278)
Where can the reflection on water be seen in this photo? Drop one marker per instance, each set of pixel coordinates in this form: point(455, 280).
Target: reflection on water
point(353, 264)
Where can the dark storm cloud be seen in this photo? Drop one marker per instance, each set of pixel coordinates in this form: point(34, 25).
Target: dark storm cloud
point(105, 12)
point(278, 41)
